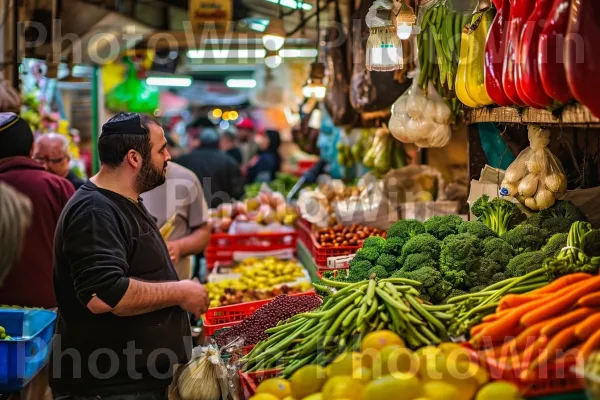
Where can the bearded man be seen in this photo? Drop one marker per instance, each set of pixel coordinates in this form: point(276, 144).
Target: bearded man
point(123, 321)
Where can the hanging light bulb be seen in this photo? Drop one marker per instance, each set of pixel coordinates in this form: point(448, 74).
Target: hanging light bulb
point(405, 19)
point(272, 59)
point(404, 31)
point(384, 48)
point(315, 87)
point(316, 117)
point(274, 36)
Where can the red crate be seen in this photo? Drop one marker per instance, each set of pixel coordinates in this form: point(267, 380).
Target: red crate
point(250, 380)
point(222, 245)
point(304, 166)
point(226, 316)
point(319, 253)
point(553, 379)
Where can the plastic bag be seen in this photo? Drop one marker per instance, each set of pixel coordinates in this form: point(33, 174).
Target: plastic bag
point(380, 14)
point(536, 178)
point(205, 376)
point(436, 109)
point(417, 101)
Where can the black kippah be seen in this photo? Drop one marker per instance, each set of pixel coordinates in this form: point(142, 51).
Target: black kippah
point(124, 124)
point(8, 119)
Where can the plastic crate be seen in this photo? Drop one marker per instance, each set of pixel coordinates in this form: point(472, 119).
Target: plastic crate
point(250, 380)
point(221, 247)
point(226, 316)
point(319, 253)
point(554, 379)
point(304, 166)
point(24, 355)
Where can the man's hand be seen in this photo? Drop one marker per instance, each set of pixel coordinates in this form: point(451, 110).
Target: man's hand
point(194, 297)
point(174, 251)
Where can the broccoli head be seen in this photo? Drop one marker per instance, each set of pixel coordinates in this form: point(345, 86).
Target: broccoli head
point(558, 218)
point(525, 238)
point(591, 243)
point(405, 229)
point(483, 273)
point(328, 274)
point(394, 245)
point(459, 256)
point(417, 261)
point(498, 277)
point(374, 241)
point(443, 225)
point(359, 270)
point(498, 250)
point(370, 254)
point(423, 243)
point(454, 293)
point(379, 272)
point(476, 228)
point(388, 261)
point(433, 286)
point(555, 244)
point(399, 274)
point(498, 214)
point(476, 289)
point(525, 263)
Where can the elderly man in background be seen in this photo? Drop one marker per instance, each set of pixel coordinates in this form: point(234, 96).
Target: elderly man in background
point(52, 151)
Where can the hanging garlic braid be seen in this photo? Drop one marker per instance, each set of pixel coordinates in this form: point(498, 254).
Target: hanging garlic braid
point(15, 217)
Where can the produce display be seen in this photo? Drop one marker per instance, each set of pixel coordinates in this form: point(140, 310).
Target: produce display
point(3, 335)
point(384, 153)
point(282, 183)
point(252, 330)
point(340, 235)
point(230, 292)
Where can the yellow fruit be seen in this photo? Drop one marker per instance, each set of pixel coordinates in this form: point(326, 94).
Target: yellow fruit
point(276, 386)
point(362, 374)
point(343, 387)
point(379, 339)
point(438, 390)
point(393, 359)
point(390, 387)
point(432, 364)
point(264, 396)
point(307, 380)
point(344, 364)
point(499, 390)
point(288, 398)
point(316, 396)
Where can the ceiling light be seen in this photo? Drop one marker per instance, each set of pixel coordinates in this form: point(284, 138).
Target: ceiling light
point(298, 53)
point(237, 83)
point(274, 36)
point(272, 59)
point(404, 31)
point(224, 125)
point(172, 81)
point(257, 27)
point(315, 87)
point(217, 113)
point(227, 54)
point(293, 4)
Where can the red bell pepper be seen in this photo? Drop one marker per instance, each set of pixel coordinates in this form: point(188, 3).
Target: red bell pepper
point(582, 56)
point(494, 54)
point(551, 53)
point(528, 77)
point(519, 12)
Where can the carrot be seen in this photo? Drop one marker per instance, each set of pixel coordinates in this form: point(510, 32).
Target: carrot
point(532, 351)
point(563, 303)
point(526, 337)
point(561, 283)
point(559, 323)
point(494, 316)
point(590, 300)
point(478, 328)
point(572, 356)
point(564, 340)
point(591, 344)
point(584, 329)
point(515, 300)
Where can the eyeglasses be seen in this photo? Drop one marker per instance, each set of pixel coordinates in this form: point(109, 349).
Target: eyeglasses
point(46, 160)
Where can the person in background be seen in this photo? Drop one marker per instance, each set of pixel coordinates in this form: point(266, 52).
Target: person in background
point(52, 151)
point(219, 174)
point(115, 283)
point(181, 197)
point(29, 283)
point(265, 165)
point(173, 146)
point(228, 146)
point(246, 142)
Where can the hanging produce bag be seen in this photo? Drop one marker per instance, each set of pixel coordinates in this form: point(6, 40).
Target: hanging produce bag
point(205, 377)
point(536, 178)
point(133, 94)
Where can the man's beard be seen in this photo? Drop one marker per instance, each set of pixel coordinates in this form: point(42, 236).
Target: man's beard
point(149, 177)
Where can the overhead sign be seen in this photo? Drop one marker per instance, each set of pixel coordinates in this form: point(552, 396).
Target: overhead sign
point(206, 14)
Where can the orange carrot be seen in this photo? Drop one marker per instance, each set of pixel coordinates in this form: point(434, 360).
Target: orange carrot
point(515, 300)
point(584, 329)
point(559, 323)
point(559, 305)
point(534, 350)
point(572, 356)
point(590, 300)
point(526, 337)
point(478, 328)
point(561, 283)
point(563, 341)
point(591, 344)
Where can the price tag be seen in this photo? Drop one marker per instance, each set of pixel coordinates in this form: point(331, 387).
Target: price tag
point(340, 262)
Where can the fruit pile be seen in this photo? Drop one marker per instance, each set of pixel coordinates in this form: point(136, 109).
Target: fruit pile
point(268, 272)
point(385, 369)
point(230, 292)
point(340, 235)
point(3, 335)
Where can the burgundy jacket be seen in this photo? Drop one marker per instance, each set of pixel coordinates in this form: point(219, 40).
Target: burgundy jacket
point(30, 281)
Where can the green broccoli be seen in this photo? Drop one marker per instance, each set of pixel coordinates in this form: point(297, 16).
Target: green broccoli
point(328, 275)
point(454, 293)
point(591, 243)
point(476, 289)
point(405, 229)
point(525, 263)
point(423, 243)
point(398, 274)
point(379, 272)
point(359, 270)
point(498, 214)
point(476, 228)
point(394, 246)
point(388, 261)
point(558, 218)
point(482, 274)
point(433, 286)
point(370, 254)
point(555, 244)
point(417, 261)
point(374, 241)
point(498, 250)
point(498, 277)
point(459, 256)
point(442, 226)
point(525, 238)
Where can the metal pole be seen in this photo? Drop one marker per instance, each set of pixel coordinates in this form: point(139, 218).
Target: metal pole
point(95, 119)
point(15, 46)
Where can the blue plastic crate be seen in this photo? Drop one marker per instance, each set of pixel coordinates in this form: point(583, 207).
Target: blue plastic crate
point(24, 355)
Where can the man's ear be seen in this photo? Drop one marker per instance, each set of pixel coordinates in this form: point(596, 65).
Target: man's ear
point(133, 158)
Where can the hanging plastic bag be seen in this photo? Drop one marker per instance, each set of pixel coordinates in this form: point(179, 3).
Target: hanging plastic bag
point(536, 178)
point(436, 108)
point(205, 377)
point(417, 101)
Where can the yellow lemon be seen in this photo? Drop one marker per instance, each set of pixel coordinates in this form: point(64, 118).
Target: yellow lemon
point(316, 396)
point(379, 339)
point(343, 387)
point(391, 386)
point(362, 374)
point(307, 380)
point(499, 390)
point(344, 364)
point(276, 386)
point(438, 390)
point(393, 359)
point(264, 396)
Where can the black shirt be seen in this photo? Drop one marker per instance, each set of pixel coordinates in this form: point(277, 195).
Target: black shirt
point(74, 179)
point(236, 154)
point(218, 173)
point(102, 240)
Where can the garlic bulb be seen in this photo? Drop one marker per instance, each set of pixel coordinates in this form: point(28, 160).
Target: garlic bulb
point(556, 182)
point(199, 379)
point(511, 189)
point(531, 204)
point(515, 172)
point(529, 185)
point(538, 162)
point(544, 198)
